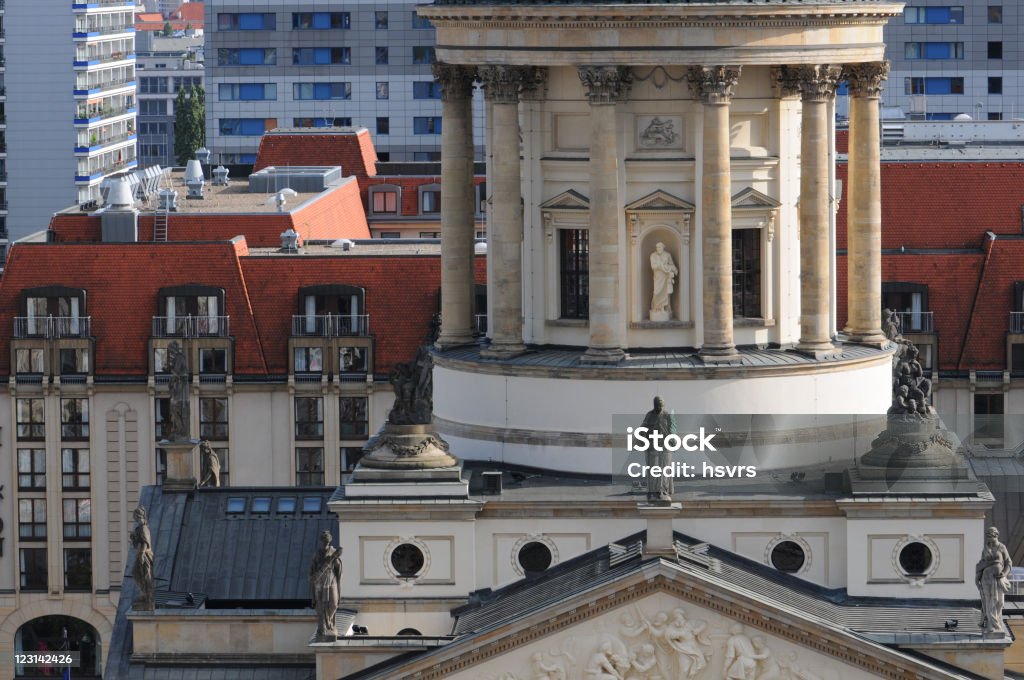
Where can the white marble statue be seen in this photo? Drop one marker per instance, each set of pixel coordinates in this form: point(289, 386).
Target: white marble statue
point(605, 664)
point(544, 669)
point(664, 271)
point(741, 659)
point(992, 578)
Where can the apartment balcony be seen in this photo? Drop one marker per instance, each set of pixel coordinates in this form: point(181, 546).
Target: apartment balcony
point(100, 144)
point(86, 117)
point(1017, 322)
point(191, 326)
point(916, 322)
point(330, 325)
point(105, 170)
point(90, 4)
point(105, 87)
point(52, 326)
point(101, 60)
point(97, 31)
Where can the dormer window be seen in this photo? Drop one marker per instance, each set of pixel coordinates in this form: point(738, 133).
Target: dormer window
point(331, 311)
point(385, 199)
point(191, 311)
point(53, 312)
point(430, 199)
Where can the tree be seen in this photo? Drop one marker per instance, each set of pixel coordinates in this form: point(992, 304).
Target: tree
point(189, 123)
point(168, 29)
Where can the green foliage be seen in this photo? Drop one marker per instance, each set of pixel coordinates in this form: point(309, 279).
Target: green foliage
point(168, 29)
point(189, 123)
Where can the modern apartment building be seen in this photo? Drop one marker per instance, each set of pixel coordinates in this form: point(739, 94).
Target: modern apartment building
point(169, 65)
point(952, 59)
point(321, 63)
point(70, 104)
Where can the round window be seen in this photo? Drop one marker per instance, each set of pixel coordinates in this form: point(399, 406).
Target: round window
point(915, 559)
point(407, 560)
point(534, 557)
point(788, 556)
point(409, 631)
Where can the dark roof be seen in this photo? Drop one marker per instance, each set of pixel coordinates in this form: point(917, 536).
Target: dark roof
point(262, 672)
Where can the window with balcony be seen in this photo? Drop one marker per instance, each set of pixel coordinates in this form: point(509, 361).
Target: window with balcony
point(910, 302)
point(29, 360)
point(246, 21)
point(77, 518)
point(353, 419)
point(305, 21)
point(213, 360)
point(309, 418)
point(191, 311)
point(31, 469)
point(746, 273)
point(74, 361)
point(32, 519)
point(52, 312)
point(32, 568)
point(330, 311)
point(384, 200)
point(309, 466)
point(353, 360)
point(213, 418)
point(308, 360)
point(31, 425)
point(78, 569)
point(75, 469)
point(574, 278)
point(319, 56)
point(74, 419)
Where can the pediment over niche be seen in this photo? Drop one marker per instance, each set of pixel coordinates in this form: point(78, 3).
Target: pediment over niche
point(613, 614)
point(567, 200)
point(752, 199)
point(660, 201)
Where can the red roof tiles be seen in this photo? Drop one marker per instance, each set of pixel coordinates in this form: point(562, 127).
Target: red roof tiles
point(353, 151)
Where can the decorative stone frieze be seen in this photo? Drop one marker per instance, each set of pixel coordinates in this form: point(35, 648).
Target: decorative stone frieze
point(817, 83)
point(456, 81)
point(866, 79)
point(606, 84)
point(713, 84)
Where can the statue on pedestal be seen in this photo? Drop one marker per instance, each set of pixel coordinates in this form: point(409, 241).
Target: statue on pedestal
point(179, 393)
point(210, 465)
point(659, 489)
point(664, 272)
point(992, 578)
point(325, 582)
point(142, 570)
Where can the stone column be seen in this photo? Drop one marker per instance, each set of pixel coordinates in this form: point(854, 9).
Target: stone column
point(457, 204)
point(714, 85)
point(606, 86)
point(502, 86)
point(864, 205)
point(817, 89)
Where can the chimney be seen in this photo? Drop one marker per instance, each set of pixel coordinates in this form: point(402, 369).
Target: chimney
point(194, 179)
point(119, 221)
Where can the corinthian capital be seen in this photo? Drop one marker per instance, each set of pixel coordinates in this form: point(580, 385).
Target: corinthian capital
point(456, 81)
point(713, 84)
point(866, 79)
point(787, 80)
point(817, 83)
point(606, 84)
point(504, 84)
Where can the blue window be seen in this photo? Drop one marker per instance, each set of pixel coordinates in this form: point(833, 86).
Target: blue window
point(321, 91)
point(261, 505)
point(420, 22)
point(426, 89)
point(306, 21)
point(286, 505)
point(426, 125)
point(311, 504)
point(229, 92)
point(933, 50)
point(247, 21)
point(321, 55)
point(343, 121)
point(941, 116)
point(423, 55)
point(236, 505)
point(933, 85)
point(934, 15)
point(243, 127)
point(247, 56)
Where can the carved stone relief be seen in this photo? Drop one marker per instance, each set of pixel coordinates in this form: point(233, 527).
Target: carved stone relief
point(658, 638)
point(659, 132)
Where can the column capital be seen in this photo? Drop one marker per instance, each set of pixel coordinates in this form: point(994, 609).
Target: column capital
point(504, 84)
point(786, 80)
point(713, 84)
point(456, 80)
point(817, 83)
point(867, 78)
point(606, 84)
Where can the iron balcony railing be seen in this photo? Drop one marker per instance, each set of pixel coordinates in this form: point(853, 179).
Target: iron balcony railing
point(1017, 322)
point(330, 325)
point(916, 322)
point(191, 326)
point(52, 326)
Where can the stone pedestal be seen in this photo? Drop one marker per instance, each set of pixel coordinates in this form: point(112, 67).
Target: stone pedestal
point(407, 460)
point(181, 472)
point(660, 540)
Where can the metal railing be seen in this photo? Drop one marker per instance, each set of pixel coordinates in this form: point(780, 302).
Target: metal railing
point(105, 30)
point(108, 168)
point(916, 322)
point(106, 141)
point(191, 326)
point(330, 325)
point(1017, 322)
point(52, 326)
point(85, 114)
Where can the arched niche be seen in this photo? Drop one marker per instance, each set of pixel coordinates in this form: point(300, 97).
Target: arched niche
point(663, 218)
point(47, 634)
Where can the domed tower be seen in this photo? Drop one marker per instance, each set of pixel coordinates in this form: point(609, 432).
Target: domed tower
point(661, 206)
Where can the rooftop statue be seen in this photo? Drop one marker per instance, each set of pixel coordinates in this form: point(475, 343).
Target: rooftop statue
point(911, 390)
point(325, 583)
point(992, 578)
point(142, 570)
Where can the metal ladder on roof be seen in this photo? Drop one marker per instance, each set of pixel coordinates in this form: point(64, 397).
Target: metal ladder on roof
point(161, 216)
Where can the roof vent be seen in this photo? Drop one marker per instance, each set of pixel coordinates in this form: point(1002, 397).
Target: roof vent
point(290, 241)
point(168, 200)
point(492, 482)
point(281, 198)
point(120, 195)
point(220, 176)
point(480, 247)
point(344, 244)
point(194, 179)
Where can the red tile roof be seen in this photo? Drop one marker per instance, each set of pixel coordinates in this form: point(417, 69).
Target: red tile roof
point(191, 12)
point(353, 151)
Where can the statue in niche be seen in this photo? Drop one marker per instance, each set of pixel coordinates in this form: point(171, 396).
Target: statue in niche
point(210, 465)
point(741, 659)
point(142, 570)
point(659, 489)
point(325, 582)
point(664, 277)
point(659, 133)
point(179, 393)
point(992, 578)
